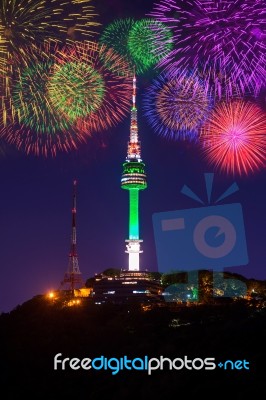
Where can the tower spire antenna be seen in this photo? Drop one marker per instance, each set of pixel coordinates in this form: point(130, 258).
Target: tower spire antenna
point(134, 90)
point(73, 278)
point(133, 179)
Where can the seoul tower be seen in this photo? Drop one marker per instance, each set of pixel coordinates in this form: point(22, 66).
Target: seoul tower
point(73, 279)
point(133, 179)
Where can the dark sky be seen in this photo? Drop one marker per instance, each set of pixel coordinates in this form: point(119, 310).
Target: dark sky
point(36, 200)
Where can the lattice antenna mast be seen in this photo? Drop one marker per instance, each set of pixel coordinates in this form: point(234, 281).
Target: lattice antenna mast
point(73, 278)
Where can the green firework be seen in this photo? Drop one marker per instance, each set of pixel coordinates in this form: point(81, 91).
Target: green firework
point(31, 101)
point(149, 41)
point(76, 89)
point(116, 35)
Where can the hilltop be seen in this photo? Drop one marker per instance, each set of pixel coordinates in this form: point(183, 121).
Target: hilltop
point(33, 333)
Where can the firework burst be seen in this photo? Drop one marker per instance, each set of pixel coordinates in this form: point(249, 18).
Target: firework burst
point(234, 137)
point(218, 36)
point(116, 77)
point(35, 125)
point(3, 51)
point(75, 89)
point(27, 22)
point(177, 107)
point(30, 142)
point(149, 41)
point(115, 36)
point(31, 100)
point(143, 43)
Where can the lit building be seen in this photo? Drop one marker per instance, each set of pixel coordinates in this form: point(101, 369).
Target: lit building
point(127, 287)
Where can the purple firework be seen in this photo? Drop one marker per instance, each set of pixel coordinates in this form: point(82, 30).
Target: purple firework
point(224, 38)
point(176, 107)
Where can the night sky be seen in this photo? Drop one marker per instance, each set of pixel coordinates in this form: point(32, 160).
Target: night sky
point(36, 199)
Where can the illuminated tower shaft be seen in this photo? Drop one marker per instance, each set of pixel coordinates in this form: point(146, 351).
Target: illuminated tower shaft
point(133, 179)
point(72, 279)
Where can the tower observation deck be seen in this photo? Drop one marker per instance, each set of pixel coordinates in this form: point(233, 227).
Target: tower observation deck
point(133, 179)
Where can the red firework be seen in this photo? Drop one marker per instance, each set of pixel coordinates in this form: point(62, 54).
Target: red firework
point(234, 137)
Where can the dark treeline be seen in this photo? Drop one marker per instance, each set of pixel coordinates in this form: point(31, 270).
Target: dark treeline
point(33, 333)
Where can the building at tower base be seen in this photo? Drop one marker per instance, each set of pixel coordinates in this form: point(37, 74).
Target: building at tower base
point(128, 287)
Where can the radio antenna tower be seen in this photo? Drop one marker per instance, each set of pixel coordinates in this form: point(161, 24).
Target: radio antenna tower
point(133, 179)
point(73, 278)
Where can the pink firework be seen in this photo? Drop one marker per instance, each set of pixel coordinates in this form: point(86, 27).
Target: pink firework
point(234, 137)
